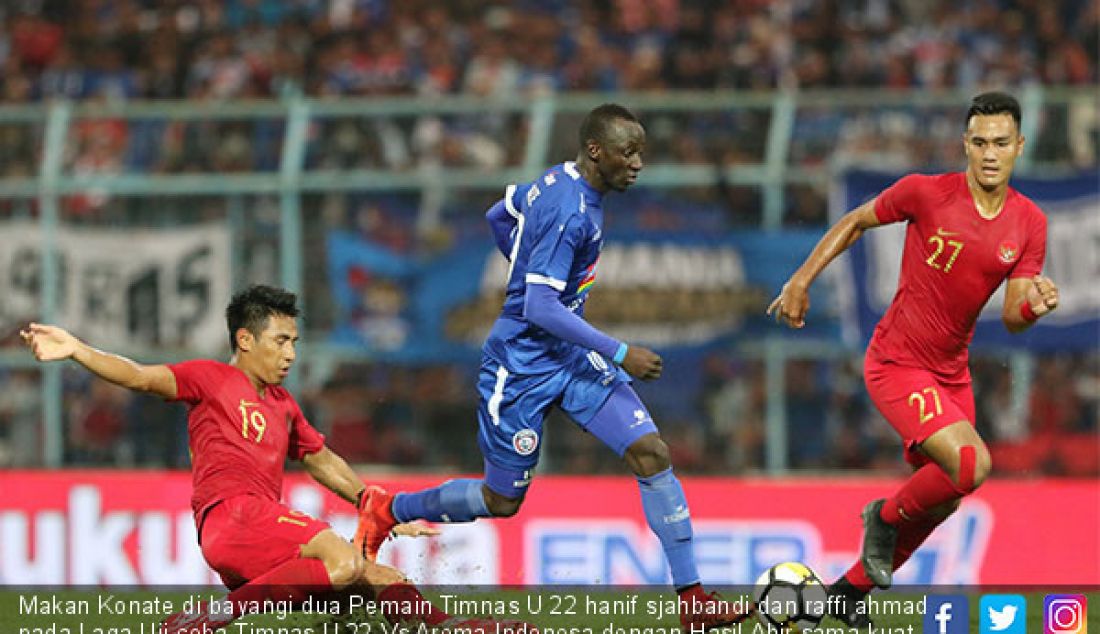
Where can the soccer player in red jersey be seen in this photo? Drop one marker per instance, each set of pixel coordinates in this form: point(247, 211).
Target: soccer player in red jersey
point(242, 425)
point(967, 233)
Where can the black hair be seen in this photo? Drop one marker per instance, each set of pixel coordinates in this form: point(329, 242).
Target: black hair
point(252, 307)
point(994, 103)
point(598, 122)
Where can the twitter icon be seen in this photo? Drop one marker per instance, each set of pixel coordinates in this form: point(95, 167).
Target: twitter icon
point(1003, 614)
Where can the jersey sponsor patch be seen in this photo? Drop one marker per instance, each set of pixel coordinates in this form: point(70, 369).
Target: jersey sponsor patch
point(525, 442)
point(1008, 252)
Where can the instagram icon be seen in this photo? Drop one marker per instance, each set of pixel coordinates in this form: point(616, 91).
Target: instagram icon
point(1065, 614)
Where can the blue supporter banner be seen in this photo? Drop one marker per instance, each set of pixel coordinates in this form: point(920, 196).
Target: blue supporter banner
point(868, 277)
point(676, 293)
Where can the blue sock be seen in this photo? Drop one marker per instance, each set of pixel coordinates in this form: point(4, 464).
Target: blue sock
point(666, 511)
point(452, 501)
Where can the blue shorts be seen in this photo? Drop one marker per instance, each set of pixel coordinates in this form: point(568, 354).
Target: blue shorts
point(512, 408)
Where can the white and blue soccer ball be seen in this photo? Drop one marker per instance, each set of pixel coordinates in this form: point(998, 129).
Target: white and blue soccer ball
point(790, 597)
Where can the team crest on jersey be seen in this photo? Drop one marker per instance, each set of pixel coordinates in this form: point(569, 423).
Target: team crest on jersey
point(525, 442)
point(1008, 252)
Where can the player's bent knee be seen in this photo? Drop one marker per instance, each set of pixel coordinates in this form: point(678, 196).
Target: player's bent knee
point(342, 562)
point(345, 570)
point(505, 508)
point(974, 467)
point(648, 456)
point(983, 466)
point(501, 506)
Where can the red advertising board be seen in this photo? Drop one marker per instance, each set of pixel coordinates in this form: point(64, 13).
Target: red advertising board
point(135, 527)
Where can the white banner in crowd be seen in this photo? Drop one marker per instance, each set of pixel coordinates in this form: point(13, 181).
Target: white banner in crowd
point(120, 288)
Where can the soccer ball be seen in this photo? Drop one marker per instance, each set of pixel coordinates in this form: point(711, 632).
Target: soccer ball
point(790, 597)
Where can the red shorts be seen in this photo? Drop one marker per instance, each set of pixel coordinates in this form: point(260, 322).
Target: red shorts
point(245, 536)
point(916, 402)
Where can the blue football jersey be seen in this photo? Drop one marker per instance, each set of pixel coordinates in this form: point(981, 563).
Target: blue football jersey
point(557, 242)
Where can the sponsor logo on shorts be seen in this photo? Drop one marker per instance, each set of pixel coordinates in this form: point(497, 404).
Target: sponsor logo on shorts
point(525, 442)
point(524, 483)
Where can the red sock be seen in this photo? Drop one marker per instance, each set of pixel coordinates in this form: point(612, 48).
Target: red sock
point(294, 581)
point(928, 487)
point(858, 578)
point(404, 603)
point(910, 536)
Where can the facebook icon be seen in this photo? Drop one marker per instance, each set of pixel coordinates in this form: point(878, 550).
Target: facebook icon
point(947, 615)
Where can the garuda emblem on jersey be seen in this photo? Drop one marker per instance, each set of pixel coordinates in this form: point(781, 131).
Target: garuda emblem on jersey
point(1008, 252)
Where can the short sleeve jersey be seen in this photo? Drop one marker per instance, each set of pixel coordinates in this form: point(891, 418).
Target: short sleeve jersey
point(239, 440)
point(952, 263)
point(558, 240)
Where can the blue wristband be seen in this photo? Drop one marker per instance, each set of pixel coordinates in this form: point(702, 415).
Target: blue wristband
point(620, 354)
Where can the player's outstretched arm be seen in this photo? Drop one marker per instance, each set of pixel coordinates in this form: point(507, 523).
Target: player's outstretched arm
point(50, 343)
point(333, 472)
point(543, 308)
point(793, 302)
point(1026, 300)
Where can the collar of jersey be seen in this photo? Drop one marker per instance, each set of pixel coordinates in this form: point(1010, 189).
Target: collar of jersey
point(570, 168)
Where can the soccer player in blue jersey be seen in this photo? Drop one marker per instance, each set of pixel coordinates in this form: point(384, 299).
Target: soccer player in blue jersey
point(541, 352)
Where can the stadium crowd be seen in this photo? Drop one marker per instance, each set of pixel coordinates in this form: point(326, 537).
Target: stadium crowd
point(211, 49)
point(215, 50)
point(112, 50)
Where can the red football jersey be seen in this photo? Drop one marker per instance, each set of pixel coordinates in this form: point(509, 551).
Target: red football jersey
point(953, 261)
point(239, 441)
